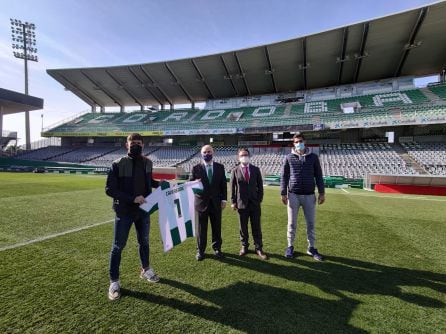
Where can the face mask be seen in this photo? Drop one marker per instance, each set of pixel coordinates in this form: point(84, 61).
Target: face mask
point(299, 146)
point(206, 157)
point(135, 150)
point(244, 160)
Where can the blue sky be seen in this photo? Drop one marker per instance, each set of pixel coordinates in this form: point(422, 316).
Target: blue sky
point(84, 33)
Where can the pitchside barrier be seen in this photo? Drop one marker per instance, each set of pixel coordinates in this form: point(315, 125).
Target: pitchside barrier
point(406, 184)
point(22, 165)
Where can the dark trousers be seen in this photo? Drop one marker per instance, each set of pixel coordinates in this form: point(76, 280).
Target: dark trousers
point(214, 215)
point(123, 223)
point(251, 213)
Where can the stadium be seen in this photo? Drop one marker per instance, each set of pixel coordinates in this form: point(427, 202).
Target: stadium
point(351, 90)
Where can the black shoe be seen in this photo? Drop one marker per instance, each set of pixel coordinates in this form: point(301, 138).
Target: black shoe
point(199, 256)
point(218, 254)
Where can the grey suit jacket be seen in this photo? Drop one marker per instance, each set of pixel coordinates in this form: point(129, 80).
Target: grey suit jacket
point(243, 192)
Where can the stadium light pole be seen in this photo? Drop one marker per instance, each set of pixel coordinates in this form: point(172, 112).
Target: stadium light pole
point(24, 47)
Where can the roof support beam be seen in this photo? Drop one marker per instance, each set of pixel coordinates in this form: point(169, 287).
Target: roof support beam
point(157, 86)
point(365, 33)
point(242, 74)
point(411, 43)
point(121, 85)
point(202, 78)
point(304, 68)
point(178, 82)
point(110, 95)
point(75, 88)
point(143, 85)
point(270, 68)
point(229, 76)
point(343, 50)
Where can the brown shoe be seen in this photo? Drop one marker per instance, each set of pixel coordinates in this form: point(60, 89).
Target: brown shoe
point(261, 254)
point(243, 251)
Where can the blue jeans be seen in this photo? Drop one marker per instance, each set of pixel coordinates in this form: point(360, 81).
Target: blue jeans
point(123, 223)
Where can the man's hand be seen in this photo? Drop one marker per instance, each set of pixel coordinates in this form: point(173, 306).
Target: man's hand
point(284, 199)
point(139, 200)
point(234, 206)
point(321, 199)
point(223, 204)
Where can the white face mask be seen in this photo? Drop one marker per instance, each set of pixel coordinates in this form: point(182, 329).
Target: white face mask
point(244, 160)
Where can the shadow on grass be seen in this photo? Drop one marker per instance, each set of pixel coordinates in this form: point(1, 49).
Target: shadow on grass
point(258, 308)
point(338, 274)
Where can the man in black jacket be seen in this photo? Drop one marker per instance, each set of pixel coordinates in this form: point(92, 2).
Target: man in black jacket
point(209, 203)
point(246, 196)
point(301, 172)
point(129, 181)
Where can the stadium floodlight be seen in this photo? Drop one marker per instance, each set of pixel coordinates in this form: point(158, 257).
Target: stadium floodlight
point(24, 47)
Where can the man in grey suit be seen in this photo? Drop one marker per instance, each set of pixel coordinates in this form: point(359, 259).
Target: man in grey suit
point(246, 196)
point(210, 203)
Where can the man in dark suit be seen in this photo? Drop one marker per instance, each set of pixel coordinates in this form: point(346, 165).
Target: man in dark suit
point(209, 203)
point(246, 196)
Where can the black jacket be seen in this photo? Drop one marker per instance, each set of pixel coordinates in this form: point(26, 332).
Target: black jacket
point(120, 183)
point(212, 193)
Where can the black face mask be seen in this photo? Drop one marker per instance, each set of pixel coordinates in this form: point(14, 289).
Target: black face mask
point(135, 150)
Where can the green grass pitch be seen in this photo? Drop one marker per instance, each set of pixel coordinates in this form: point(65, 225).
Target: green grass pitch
point(385, 268)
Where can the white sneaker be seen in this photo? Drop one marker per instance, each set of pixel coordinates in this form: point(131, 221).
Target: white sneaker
point(114, 291)
point(149, 275)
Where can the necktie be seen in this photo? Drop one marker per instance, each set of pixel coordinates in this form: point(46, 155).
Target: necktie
point(209, 167)
point(246, 173)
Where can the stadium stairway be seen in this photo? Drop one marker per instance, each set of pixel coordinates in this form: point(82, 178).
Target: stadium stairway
point(431, 96)
point(101, 155)
point(409, 160)
point(59, 154)
point(287, 111)
point(190, 157)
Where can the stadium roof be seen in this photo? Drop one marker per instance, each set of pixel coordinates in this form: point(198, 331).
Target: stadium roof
point(411, 43)
point(13, 102)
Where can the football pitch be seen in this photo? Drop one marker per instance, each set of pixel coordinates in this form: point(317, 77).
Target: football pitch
point(385, 267)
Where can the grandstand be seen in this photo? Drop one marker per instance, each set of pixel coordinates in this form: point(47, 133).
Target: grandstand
point(376, 110)
point(355, 160)
point(432, 156)
point(12, 102)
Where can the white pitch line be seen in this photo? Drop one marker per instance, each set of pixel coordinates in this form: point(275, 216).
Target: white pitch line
point(410, 197)
point(345, 190)
point(52, 236)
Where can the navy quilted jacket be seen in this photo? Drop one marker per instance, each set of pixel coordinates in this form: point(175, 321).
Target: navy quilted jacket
point(301, 174)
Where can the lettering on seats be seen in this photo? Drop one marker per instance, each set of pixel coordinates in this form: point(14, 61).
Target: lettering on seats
point(134, 118)
point(213, 114)
point(263, 111)
point(177, 116)
point(318, 107)
point(101, 119)
point(380, 99)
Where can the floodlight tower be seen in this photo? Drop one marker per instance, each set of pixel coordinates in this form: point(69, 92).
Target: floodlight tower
point(24, 47)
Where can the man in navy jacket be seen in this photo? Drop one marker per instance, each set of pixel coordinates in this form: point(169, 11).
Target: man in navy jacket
point(301, 173)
